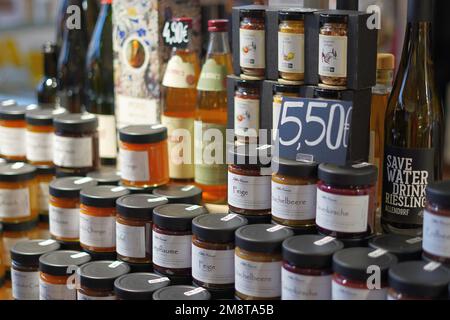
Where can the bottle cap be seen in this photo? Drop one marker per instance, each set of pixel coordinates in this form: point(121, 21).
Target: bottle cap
point(385, 61)
point(219, 25)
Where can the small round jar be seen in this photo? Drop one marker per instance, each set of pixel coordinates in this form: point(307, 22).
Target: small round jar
point(247, 100)
point(352, 269)
point(56, 272)
point(327, 94)
point(18, 193)
point(346, 200)
point(134, 227)
point(98, 218)
point(44, 175)
point(13, 132)
point(105, 177)
point(172, 238)
point(249, 178)
point(75, 144)
point(403, 247)
point(97, 278)
point(307, 272)
point(281, 91)
point(418, 280)
point(294, 192)
point(333, 49)
point(144, 159)
point(436, 219)
point(213, 252)
point(25, 267)
point(188, 194)
point(182, 293)
point(252, 43)
point(139, 286)
point(258, 261)
point(64, 207)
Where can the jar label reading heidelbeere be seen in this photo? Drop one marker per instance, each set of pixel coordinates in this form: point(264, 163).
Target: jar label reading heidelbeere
point(73, 152)
point(213, 266)
point(333, 56)
point(39, 146)
point(291, 49)
point(436, 235)
point(246, 117)
point(134, 165)
point(15, 203)
point(130, 241)
point(300, 287)
point(248, 192)
point(64, 222)
point(98, 232)
point(172, 251)
point(49, 291)
point(340, 292)
point(12, 141)
point(252, 48)
point(25, 285)
point(292, 202)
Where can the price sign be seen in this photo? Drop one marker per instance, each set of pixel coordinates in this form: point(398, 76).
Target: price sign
point(317, 130)
point(176, 34)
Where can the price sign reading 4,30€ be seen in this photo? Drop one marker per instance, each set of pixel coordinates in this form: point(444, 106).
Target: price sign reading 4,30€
point(176, 34)
point(311, 129)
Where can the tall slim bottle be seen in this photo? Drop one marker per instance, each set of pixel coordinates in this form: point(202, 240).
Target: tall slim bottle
point(91, 12)
point(413, 129)
point(61, 16)
point(47, 87)
point(211, 113)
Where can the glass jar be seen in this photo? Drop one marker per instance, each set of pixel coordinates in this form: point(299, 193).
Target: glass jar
point(75, 144)
point(172, 238)
point(346, 200)
point(56, 272)
point(12, 133)
point(258, 261)
point(25, 267)
point(98, 218)
point(307, 272)
point(18, 193)
point(188, 194)
point(418, 280)
point(405, 248)
point(181, 292)
point(252, 43)
point(213, 252)
point(44, 175)
point(291, 45)
point(279, 92)
point(139, 286)
point(333, 43)
point(144, 159)
point(134, 227)
point(107, 176)
point(249, 177)
point(64, 207)
point(294, 192)
point(247, 108)
point(97, 278)
point(352, 269)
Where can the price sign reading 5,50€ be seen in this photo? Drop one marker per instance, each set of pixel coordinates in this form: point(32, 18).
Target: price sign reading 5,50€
point(311, 129)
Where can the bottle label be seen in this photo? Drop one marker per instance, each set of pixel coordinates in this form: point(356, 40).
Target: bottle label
point(64, 222)
point(136, 111)
point(107, 136)
point(49, 291)
point(291, 48)
point(130, 241)
point(342, 213)
point(300, 287)
point(406, 175)
point(39, 146)
point(179, 74)
point(257, 279)
point(247, 192)
point(293, 202)
point(43, 196)
point(25, 285)
point(172, 252)
point(82, 296)
point(246, 117)
point(213, 266)
point(436, 235)
point(98, 232)
point(134, 165)
point(252, 48)
point(333, 56)
point(340, 292)
point(213, 77)
point(15, 203)
point(73, 152)
point(12, 141)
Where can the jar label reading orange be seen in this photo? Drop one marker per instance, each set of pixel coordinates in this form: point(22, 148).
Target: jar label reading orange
point(246, 117)
point(436, 234)
point(248, 192)
point(213, 266)
point(172, 251)
point(292, 202)
point(134, 165)
point(97, 232)
point(179, 74)
point(50, 291)
point(252, 48)
point(333, 56)
point(39, 146)
point(25, 285)
point(73, 152)
point(130, 241)
point(64, 222)
point(291, 52)
point(12, 141)
point(301, 287)
point(14, 203)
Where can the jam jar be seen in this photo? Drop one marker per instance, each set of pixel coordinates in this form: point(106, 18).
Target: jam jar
point(307, 272)
point(105, 176)
point(405, 248)
point(247, 106)
point(12, 132)
point(44, 175)
point(346, 200)
point(138, 286)
point(188, 194)
point(279, 92)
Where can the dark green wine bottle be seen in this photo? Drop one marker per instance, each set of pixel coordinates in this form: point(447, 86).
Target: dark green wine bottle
point(47, 87)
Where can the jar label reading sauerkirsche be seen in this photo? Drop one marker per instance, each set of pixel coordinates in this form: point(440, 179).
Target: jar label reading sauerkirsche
point(252, 48)
point(107, 136)
point(406, 175)
point(64, 222)
point(301, 287)
point(73, 152)
point(173, 252)
point(134, 165)
point(246, 117)
point(213, 266)
point(130, 241)
point(333, 56)
point(248, 192)
point(15, 203)
point(291, 50)
point(340, 292)
point(39, 146)
point(436, 234)
point(12, 141)
point(98, 232)
point(49, 291)
point(25, 285)
point(293, 202)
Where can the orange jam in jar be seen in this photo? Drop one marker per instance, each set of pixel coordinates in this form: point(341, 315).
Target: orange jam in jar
point(12, 132)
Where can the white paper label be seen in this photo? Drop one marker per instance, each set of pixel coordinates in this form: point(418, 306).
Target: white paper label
point(14, 203)
point(72, 152)
point(293, 202)
point(107, 136)
point(249, 192)
point(436, 234)
point(300, 287)
point(213, 266)
point(49, 291)
point(172, 251)
point(340, 292)
point(135, 111)
point(291, 52)
point(342, 213)
point(12, 141)
point(43, 196)
point(99, 232)
point(332, 56)
point(134, 165)
point(25, 285)
point(81, 296)
point(246, 117)
point(130, 241)
point(39, 146)
point(64, 222)
point(252, 48)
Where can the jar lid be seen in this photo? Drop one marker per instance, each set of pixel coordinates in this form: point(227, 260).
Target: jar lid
point(439, 193)
point(351, 175)
point(252, 84)
point(218, 228)
point(333, 18)
point(69, 187)
point(76, 122)
point(139, 205)
point(352, 263)
point(311, 251)
point(291, 168)
point(27, 252)
point(20, 227)
point(329, 94)
point(143, 134)
point(177, 216)
point(43, 169)
point(405, 248)
point(266, 238)
point(252, 13)
point(102, 196)
point(251, 154)
point(8, 103)
point(291, 15)
point(180, 193)
point(105, 177)
point(420, 279)
point(181, 292)
point(284, 88)
point(218, 25)
point(101, 275)
point(12, 112)
point(139, 286)
point(17, 172)
point(57, 263)
point(43, 117)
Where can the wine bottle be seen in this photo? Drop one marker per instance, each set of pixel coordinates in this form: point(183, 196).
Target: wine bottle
point(91, 12)
point(99, 89)
point(413, 129)
point(61, 23)
point(47, 87)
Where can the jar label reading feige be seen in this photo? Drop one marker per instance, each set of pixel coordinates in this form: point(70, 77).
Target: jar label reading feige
point(292, 202)
point(172, 251)
point(71, 152)
point(49, 291)
point(43, 196)
point(107, 136)
point(213, 266)
point(12, 141)
point(39, 146)
point(342, 213)
point(64, 222)
point(15, 203)
point(301, 287)
point(25, 285)
point(247, 192)
point(246, 117)
point(252, 48)
point(340, 292)
point(291, 50)
point(134, 165)
point(436, 235)
point(81, 296)
point(130, 241)
point(333, 56)
point(98, 232)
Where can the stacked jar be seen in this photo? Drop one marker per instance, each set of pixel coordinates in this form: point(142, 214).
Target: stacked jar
point(138, 286)
point(13, 132)
point(247, 111)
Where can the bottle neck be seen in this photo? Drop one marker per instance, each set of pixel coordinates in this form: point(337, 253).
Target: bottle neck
point(218, 43)
point(50, 65)
point(384, 82)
